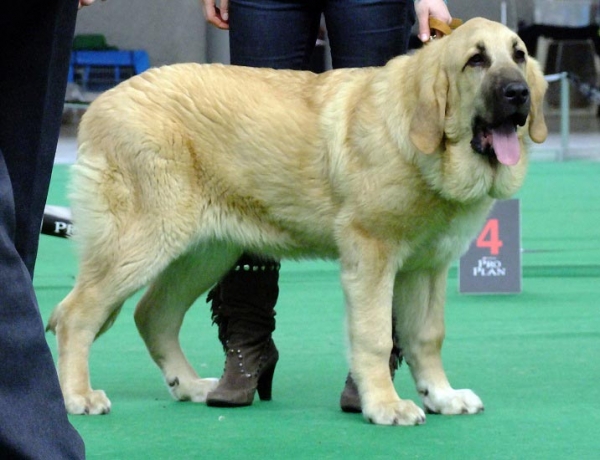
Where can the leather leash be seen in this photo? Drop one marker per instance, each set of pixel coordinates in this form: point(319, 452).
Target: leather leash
point(442, 27)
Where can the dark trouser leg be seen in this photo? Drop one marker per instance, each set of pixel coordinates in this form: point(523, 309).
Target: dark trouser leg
point(243, 302)
point(35, 43)
point(361, 34)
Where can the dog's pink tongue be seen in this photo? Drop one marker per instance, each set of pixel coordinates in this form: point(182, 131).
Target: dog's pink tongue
point(506, 145)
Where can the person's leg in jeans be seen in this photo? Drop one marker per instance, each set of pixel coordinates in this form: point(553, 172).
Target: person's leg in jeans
point(35, 44)
point(365, 33)
point(361, 34)
point(282, 35)
point(279, 34)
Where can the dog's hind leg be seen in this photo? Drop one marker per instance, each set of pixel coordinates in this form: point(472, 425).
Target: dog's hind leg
point(89, 309)
point(159, 316)
point(110, 272)
point(419, 309)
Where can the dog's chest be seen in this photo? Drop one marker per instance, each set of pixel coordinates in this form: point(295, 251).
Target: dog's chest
point(446, 242)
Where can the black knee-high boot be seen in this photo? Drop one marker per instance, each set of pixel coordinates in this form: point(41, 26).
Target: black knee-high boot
point(350, 399)
point(243, 307)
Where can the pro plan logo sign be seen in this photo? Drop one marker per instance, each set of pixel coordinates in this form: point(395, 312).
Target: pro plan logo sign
point(492, 265)
point(489, 238)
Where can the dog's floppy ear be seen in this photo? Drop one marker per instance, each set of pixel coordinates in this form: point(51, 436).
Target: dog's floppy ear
point(427, 123)
point(537, 87)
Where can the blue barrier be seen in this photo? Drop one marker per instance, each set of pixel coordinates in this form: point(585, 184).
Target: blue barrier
point(101, 70)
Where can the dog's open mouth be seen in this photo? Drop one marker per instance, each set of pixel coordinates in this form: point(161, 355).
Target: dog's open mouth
point(499, 142)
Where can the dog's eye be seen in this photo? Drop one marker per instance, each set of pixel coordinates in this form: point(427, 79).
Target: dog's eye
point(477, 60)
point(519, 56)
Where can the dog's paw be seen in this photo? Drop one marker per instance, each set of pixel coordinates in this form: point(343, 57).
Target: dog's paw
point(452, 402)
point(194, 390)
point(93, 402)
point(400, 412)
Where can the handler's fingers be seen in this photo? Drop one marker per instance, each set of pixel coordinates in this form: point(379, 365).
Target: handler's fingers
point(218, 17)
point(431, 8)
point(83, 3)
point(425, 32)
point(224, 10)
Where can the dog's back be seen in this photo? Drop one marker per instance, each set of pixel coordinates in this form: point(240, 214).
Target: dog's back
point(231, 146)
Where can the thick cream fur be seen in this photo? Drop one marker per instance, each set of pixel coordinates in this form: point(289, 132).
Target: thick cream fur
point(184, 167)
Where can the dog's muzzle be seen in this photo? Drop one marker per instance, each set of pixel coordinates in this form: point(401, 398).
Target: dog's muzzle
point(495, 132)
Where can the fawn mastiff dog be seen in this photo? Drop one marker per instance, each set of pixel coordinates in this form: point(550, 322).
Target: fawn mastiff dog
point(392, 170)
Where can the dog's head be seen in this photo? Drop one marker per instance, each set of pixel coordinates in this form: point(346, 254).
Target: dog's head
point(485, 91)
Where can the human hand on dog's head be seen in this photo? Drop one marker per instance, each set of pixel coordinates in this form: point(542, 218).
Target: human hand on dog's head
point(431, 8)
point(217, 16)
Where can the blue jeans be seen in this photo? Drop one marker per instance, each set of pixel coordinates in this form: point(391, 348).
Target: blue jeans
point(35, 45)
point(282, 34)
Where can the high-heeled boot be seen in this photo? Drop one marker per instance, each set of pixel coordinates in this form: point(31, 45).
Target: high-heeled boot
point(243, 307)
point(350, 399)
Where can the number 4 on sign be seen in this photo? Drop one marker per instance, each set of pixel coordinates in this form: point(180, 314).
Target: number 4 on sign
point(492, 265)
point(490, 237)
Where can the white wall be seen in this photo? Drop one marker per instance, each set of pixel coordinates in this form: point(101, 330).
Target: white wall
point(516, 10)
point(175, 31)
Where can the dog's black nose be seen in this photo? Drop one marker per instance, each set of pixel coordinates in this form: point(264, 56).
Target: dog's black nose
point(516, 93)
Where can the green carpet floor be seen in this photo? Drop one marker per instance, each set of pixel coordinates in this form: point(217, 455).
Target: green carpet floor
point(532, 357)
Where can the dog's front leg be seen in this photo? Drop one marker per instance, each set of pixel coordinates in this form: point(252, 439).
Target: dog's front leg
point(419, 299)
point(368, 269)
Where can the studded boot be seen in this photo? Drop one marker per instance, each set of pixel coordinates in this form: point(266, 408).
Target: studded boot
point(350, 399)
point(243, 307)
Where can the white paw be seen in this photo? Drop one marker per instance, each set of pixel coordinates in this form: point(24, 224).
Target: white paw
point(452, 402)
point(194, 390)
point(93, 402)
point(399, 412)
